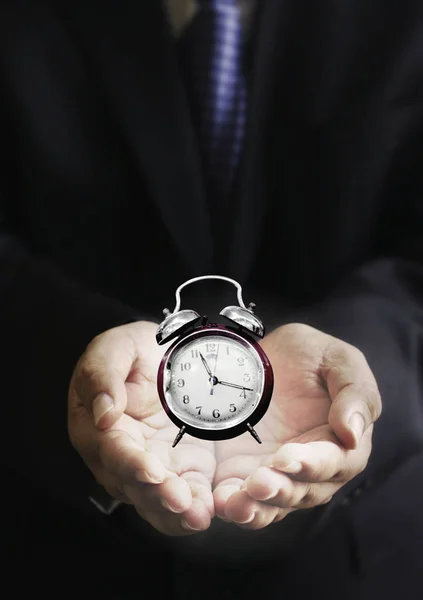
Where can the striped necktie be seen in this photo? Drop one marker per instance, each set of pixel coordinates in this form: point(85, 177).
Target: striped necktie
point(212, 62)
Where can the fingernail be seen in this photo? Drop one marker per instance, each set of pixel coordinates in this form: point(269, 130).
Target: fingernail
point(244, 485)
point(166, 505)
point(186, 525)
point(101, 405)
point(357, 425)
point(294, 467)
point(271, 495)
point(250, 518)
point(144, 475)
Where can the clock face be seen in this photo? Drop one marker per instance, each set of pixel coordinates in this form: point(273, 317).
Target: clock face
point(213, 381)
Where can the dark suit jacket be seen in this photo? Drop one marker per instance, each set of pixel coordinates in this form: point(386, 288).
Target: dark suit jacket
point(103, 211)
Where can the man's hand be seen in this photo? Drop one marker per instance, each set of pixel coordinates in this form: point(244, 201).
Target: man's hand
point(118, 426)
point(316, 434)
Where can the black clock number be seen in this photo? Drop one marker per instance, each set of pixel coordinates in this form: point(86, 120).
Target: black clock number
point(210, 347)
point(199, 409)
point(185, 399)
point(243, 394)
point(241, 360)
point(185, 366)
point(216, 413)
point(180, 383)
point(194, 353)
point(232, 408)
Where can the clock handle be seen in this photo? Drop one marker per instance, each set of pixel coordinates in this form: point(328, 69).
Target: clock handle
point(179, 321)
point(241, 315)
point(202, 278)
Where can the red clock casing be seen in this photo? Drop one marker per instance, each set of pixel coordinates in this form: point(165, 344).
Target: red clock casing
point(246, 340)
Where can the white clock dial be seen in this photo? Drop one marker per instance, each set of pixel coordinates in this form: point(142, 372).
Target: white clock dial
point(213, 382)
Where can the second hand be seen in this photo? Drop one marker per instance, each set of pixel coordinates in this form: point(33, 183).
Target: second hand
point(214, 371)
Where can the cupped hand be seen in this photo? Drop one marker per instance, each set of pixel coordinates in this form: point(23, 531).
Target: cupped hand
point(118, 426)
point(316, 434)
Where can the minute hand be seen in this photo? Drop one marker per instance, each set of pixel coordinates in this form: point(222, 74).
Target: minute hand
point(210, 374)
point(240, 387)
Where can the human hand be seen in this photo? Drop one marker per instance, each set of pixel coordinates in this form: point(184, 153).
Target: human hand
point(117, 424)
point(316, 433)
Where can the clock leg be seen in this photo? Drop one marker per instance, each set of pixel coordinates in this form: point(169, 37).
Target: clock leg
point(253, 433)
point(179, 436)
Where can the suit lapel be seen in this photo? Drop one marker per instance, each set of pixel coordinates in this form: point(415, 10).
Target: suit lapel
point(130, 47)
point(267, 49)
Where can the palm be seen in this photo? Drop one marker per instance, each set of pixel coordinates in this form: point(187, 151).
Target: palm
point(150, 426)
point(187, 470)
point(299, 405)
point(146, 421)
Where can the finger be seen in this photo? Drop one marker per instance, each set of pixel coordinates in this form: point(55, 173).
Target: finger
point(176, 507)
point(127, 461)
point(276, 489)
point(174, 525)
point(265, 483)
point(173, 496)
point(201, 489)
point(319, 461)
point(244, 511)
point(356, 402)
point(223, 491)
point(99, 379)
point(198, 516)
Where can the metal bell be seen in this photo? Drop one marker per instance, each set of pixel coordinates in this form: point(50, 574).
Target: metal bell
point(245, 318)
point(174, 323)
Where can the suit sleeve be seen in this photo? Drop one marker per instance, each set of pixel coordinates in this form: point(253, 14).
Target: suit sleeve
point(46, 322)
point(379, 309)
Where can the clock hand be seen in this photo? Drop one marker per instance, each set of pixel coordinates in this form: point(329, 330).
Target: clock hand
point(206, 366)
point(240, 387)
point(212, 379)
point(217, 356)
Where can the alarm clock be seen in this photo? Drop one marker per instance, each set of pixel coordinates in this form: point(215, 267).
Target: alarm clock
point(215, 382)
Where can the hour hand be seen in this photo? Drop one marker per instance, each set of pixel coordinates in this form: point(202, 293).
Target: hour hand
point(240, 387)
point(206, 366)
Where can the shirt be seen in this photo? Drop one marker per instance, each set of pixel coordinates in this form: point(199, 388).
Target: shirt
point(180, 13)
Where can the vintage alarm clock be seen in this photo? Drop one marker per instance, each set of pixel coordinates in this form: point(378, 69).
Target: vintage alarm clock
point(214, 382)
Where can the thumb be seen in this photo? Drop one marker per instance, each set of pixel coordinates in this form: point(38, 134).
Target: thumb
point(356, 402)
point(99, 378)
